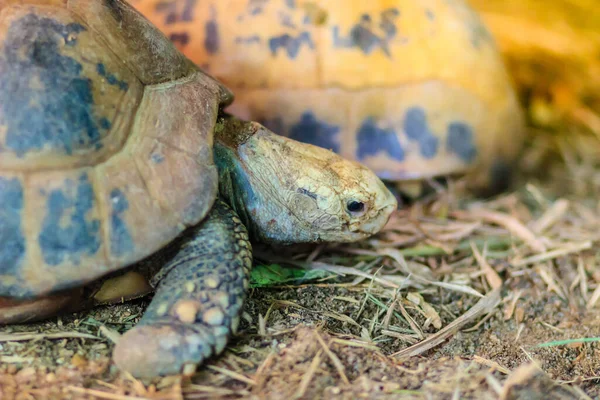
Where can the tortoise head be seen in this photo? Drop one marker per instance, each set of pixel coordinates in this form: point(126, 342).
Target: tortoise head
point(290, 192)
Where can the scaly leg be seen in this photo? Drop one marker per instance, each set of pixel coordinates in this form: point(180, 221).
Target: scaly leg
point(199, 295)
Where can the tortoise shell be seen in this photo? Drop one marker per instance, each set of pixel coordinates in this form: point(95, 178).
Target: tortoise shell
point(410, 88)
point(105, 142)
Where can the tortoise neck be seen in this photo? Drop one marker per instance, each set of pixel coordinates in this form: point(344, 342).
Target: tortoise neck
point(231, 131)
point(234, 186)
point(250, 160)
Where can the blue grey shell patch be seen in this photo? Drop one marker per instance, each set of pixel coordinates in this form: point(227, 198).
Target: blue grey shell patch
point(313, 131)
point(110, 78)
point(12, 248)
point(295, 36)
point(173, 13)
point(45, 101)
point(211, 31)
point(370, 34)
point(460, 141)
point(68, 233)
point(120, 238)
point(290, 44)
point(373, 140)
point(417, 129)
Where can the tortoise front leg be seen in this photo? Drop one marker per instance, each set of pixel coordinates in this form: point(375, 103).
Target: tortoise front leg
point(199, 295)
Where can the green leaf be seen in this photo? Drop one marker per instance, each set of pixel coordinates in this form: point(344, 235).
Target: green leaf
point(274, 274)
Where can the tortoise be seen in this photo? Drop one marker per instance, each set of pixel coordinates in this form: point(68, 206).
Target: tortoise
point(117, 159)
point(413, 89)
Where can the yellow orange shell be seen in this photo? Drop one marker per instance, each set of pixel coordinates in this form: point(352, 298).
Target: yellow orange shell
point(410, 88)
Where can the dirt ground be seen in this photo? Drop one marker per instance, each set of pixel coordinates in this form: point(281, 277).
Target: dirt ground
point(458, 298)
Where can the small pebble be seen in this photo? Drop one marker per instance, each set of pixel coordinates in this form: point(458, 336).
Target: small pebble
point(78, 361)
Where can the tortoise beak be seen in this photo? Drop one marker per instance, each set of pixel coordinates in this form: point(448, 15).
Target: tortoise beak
point(385, 205)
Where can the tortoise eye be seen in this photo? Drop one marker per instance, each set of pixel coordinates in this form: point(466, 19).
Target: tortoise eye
point(355, 207)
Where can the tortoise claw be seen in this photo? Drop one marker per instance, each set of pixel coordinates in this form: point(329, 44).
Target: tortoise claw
point(148, 351)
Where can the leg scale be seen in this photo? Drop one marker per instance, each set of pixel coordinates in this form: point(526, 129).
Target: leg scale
point(200, 292)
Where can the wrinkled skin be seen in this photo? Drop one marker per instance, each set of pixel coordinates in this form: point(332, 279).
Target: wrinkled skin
point(289, 192)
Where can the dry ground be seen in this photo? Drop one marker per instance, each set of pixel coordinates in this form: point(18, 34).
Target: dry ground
point(457, 298)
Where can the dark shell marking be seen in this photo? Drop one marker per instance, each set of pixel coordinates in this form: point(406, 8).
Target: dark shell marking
point(368, 34)
point(313, 131)
point(176, 10)
point(183, 11)
point(460, 141)
point(45, 101)
point(291, 44)
point(247, 40)
point(373, 140)
point(12, 248)
point(67, 232)
point(110, 78)
point(211, 29)
point(180, 38)
point(120, 238)
point(417, 129)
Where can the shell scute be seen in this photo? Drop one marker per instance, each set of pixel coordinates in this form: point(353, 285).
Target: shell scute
point(167, 146)
point(43, 84)
point(63, 94)
point(51, 225)
point(137, 224)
